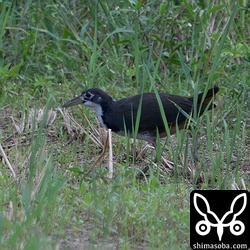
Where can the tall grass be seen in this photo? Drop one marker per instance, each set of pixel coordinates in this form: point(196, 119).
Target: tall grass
point(32, 196)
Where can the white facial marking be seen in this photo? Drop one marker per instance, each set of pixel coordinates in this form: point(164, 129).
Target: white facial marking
point(98, 110)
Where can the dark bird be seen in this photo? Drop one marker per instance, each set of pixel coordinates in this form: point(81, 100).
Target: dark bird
point(120, 116)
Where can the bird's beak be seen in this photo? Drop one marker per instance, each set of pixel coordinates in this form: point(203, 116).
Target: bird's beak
point(73, 102)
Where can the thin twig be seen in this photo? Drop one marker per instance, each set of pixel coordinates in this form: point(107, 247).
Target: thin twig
point(92, 137)
point(111, 169)
point(7, 161)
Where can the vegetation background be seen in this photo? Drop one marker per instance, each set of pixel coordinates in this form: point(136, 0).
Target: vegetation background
point(51, 51)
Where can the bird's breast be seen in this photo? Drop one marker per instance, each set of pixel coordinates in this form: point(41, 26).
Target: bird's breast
point(99, 112)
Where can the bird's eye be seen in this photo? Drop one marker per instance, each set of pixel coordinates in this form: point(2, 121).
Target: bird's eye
point(88, 95)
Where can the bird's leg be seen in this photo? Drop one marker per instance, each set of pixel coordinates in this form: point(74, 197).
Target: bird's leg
point(195, 145)
point(141, 154)
point(158, 152)
point(100, 157)
point(142, 171)
point(195, 150)
point(166, 162)
point(143, 151)
point(158, 158)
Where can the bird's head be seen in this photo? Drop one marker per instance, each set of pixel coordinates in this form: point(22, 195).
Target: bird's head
point(92, 98)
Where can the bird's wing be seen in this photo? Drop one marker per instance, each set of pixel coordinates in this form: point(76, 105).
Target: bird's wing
point(126, 110)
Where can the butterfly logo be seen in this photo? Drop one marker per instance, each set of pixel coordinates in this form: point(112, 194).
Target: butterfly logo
point(203, 227)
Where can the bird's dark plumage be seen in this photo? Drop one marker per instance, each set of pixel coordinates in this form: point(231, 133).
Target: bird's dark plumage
point(122, 114)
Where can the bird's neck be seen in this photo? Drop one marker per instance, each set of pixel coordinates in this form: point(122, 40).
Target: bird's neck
point(102, 109)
